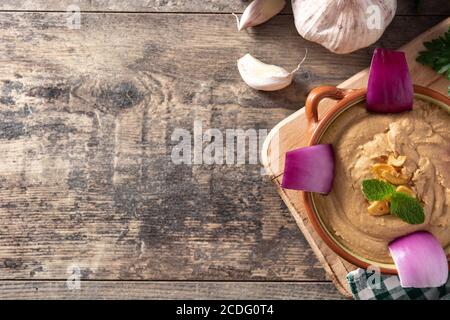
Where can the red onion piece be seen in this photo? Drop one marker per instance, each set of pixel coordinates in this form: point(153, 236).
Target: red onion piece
point(421, 262)
point(390, 88)
point(309, 169)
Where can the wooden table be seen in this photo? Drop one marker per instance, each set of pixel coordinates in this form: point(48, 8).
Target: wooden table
point(86, 122)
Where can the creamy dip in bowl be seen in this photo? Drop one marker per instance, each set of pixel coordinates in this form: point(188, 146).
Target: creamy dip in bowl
point(359, 138)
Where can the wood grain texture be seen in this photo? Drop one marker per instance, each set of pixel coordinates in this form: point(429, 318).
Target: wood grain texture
point(291, 133)
point(405, 7)
point(168, 290)
point(86, 118)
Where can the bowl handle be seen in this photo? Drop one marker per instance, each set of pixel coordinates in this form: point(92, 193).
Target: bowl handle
point(316, 95)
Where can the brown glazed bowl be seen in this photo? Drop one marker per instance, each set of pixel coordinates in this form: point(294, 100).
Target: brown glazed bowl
point(317, 125)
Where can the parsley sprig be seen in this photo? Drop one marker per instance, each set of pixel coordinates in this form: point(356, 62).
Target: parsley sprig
point(402, 205)
point(437, 55)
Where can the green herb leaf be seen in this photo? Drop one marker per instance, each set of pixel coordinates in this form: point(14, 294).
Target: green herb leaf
point(407, 208)
point(377, 190)
point(437, 55)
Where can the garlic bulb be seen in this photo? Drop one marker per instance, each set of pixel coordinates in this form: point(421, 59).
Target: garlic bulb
point(343, 26)
point(259, 11)
point(262, 76)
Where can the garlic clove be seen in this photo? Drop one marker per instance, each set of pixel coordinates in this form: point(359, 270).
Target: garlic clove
point(262, 76)
point(259, 11)
point(379, 208)
point(396, 162)
point(407, 190)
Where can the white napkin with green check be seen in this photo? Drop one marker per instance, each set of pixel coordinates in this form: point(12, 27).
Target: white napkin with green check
point(389, 288)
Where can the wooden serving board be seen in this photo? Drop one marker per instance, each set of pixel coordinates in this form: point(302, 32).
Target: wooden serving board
point(291, 134)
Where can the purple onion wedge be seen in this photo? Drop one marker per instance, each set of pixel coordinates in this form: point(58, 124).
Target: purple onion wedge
point(390, 88)
point(420, 260)
point(309, 169)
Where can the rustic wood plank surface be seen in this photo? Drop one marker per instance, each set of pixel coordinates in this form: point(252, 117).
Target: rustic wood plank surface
point(405, 7)
point(86, 118)
point(169, 290)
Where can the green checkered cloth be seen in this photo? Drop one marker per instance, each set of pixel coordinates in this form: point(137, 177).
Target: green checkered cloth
point(389, 288)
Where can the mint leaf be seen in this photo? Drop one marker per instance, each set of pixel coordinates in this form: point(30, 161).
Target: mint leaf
point(377, 190)
point(407, 208)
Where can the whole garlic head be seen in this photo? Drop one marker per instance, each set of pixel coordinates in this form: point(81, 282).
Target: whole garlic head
point(343, 26)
